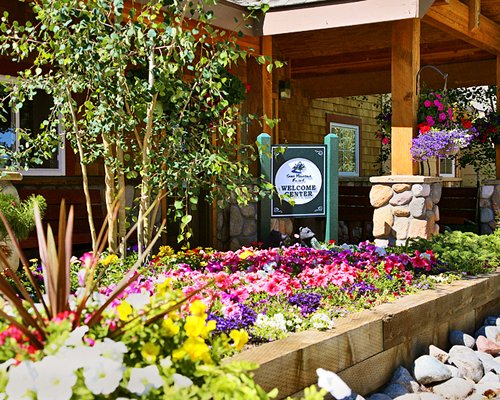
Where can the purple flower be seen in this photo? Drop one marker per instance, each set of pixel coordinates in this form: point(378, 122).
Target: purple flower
point(439, 143)
point(430, 120)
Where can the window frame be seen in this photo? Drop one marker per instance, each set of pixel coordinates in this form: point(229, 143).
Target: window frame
point(348, 122)
point(61, 151)
point(453, 168)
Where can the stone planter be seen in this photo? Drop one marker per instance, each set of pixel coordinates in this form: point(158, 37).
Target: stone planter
point(7, 187)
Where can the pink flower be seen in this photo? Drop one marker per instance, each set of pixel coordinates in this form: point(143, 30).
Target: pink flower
point(430, 120)
point(427, 103)
point(450, 113)
point(442, 117)
point(439, 105)
point(385, 140)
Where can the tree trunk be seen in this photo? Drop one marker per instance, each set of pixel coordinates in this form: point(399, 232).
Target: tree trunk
point(109, 179)
point(122, 212)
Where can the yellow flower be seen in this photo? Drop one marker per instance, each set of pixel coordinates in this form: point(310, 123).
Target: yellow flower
point(194, 326)
point(197, 308)
point(240, 338)
point(163, 287)
point(171, 329)
point(178, 354)
point(124, 310)
point(245, 254)
point(197, 349)
point(109, 259)
point(165, 251)
point(209, 327)
point(149, 352)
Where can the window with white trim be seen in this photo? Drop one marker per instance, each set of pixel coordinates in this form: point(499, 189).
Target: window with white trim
point(348, 147)
point(30, 117)
point(447, 167)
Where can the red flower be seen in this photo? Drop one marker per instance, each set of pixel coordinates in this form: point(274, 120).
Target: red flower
point(247, 87)
point(423, 127)
point(466, 123)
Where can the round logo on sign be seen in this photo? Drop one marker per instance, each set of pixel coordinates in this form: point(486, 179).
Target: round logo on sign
point(299, 180)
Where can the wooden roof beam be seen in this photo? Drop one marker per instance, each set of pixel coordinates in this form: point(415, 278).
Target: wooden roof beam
point(474, 14)
point(453, 18)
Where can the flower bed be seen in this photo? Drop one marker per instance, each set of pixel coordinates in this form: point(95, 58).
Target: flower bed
point(163, 333)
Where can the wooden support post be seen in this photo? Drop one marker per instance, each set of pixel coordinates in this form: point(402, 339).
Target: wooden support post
point(405, 65)
point(259, 99)
point(264, 141)
point(497, 147)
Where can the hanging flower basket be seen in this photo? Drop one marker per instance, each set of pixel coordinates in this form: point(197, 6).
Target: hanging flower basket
point(439, 143)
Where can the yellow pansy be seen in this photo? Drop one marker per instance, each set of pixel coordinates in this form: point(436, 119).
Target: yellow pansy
point(124, 310)
point(109, 259)
point(178, 354)
point(240, 338)
point(209, 327)
point(197, 349)
point(171, 329)
point(197, 308)
point(194, 326)
point(245, 254)
point(164, 287)
point(149, 352)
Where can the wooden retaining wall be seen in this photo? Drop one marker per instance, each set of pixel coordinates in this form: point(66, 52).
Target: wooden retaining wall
point(366, 347)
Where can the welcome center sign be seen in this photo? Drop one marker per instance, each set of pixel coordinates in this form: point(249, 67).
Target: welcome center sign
point(298, 174)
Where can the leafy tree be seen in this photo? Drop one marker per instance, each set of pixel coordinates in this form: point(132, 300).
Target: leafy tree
point(146, 90)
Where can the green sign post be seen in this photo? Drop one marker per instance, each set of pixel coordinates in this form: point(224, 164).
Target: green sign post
point(306, 176)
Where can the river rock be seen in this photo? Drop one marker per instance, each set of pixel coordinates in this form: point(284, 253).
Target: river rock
point(455, 389)
point(468, 363)
point(427, 369)
point(394, 390)
point(489, 377)
point(438, 354)
point(489, 331)
point(492, 320)
point(332, 383)
point(486, 345)
point(419, 396)
point(459, 338)
point(489, 362)
point(379, 396)
point(455, 373)
point(484, 388)
point(403, 377)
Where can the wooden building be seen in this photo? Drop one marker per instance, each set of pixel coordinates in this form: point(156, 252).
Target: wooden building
point(334, 50)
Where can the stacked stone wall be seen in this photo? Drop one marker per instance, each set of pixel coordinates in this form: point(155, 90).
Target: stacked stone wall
point(489, 204)
point(405, 207)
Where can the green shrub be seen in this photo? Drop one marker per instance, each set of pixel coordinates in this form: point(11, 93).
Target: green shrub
point(20, 214)
point(464, 252)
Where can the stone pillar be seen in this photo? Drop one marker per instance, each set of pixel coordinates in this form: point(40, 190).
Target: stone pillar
point(489, 204)
point(405, 207)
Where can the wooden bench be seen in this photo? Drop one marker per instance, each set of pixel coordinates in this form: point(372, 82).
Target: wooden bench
point(458, 206)
point(73, 197)
point(355, 210)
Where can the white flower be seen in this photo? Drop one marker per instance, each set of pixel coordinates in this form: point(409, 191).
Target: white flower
point(138, 300)
point(111, 349)
point(181, 381)
point(55, 379)
point(104, 376)
point(143, 379)
point(76, 336)
point(78, 357)
point(166, 362)
point(321, 320)
point(332, 383)
point(21, 381)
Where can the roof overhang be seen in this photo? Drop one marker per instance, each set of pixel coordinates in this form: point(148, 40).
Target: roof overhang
point(324, 14)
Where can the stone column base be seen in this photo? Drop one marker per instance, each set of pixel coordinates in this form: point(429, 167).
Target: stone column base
point(489, 204)
point(405, 207)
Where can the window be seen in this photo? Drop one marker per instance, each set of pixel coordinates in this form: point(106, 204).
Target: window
point(348, 129)
point(447, 167)
point(29, 117)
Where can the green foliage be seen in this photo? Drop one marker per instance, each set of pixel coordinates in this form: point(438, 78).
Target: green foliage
point(159, 103)
point(19, 214)
point(464, 252)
